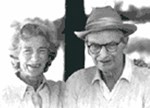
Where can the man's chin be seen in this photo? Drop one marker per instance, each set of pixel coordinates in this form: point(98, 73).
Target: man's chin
point(105, 67)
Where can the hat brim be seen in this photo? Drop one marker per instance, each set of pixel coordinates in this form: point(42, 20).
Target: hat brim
point(127, 29)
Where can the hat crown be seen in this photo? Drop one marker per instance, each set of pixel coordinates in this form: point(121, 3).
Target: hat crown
point(105, 18)
point(106, 14)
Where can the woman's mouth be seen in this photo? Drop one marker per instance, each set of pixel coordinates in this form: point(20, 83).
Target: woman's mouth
point(34, 66)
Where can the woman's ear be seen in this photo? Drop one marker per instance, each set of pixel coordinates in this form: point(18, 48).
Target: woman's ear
point(49, 62)
point(15, 62)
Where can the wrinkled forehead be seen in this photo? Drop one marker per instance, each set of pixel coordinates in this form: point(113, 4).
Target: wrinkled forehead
point(34, 42)
point(105, 36)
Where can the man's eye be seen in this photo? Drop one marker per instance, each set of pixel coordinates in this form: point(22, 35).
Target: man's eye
point(94, 46)
point(113, 44)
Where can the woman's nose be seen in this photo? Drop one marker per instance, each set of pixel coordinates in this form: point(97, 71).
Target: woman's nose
point(35, 57)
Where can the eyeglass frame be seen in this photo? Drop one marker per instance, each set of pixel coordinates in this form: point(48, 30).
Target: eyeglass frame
point(107, 45)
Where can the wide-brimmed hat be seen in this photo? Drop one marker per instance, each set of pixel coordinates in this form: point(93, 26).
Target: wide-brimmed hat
point(104, 19)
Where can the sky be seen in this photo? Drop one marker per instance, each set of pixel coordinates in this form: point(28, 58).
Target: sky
point(18, 10)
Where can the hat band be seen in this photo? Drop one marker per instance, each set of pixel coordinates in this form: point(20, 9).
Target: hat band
point(103, 22)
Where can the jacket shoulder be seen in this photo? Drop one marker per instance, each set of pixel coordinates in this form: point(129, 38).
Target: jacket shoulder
point(82, 76)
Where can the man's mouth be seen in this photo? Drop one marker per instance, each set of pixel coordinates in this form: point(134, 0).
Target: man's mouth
point(105, 61)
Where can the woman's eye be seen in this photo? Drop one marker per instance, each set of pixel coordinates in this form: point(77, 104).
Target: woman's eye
point(43, 51)
point(27, 51)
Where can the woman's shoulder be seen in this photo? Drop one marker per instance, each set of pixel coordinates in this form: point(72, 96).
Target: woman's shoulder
point(52, 83)
point(56, 86)
point(11, 94)
point(57, 90)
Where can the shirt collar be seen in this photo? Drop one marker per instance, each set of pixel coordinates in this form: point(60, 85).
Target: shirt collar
point(127, 72)
point(97, 76)
point(24, 86)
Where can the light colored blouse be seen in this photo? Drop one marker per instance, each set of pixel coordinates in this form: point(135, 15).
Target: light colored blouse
point(20, 95)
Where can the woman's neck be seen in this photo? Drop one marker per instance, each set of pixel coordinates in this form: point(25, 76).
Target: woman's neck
point(35, 82)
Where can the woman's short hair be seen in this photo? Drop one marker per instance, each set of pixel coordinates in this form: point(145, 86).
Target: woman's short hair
point(33, 27)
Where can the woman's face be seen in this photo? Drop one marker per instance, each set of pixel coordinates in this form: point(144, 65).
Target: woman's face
point(33, 56)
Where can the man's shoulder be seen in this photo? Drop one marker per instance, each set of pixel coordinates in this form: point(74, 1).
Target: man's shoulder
point(84, 75)
point(79, 81)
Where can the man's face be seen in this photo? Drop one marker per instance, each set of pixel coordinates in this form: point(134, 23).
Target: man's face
point(106, 49)
point(33, 56)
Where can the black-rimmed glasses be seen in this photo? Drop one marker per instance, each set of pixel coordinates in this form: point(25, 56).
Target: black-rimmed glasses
point(111, 47)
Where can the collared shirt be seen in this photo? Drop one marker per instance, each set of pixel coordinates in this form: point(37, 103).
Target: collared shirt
point(20, 95)
point(86, 89)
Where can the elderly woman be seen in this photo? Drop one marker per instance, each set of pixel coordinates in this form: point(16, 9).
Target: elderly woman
point(33, 48)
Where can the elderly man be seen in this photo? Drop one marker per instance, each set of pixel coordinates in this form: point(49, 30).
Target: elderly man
point(114, 81)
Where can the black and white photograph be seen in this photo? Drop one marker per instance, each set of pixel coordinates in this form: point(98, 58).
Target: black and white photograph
point(75, 54)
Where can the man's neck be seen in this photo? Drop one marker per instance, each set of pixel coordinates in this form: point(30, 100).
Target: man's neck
point(111, 77)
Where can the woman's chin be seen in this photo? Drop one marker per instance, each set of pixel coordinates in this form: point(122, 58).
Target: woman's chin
point(34, 72)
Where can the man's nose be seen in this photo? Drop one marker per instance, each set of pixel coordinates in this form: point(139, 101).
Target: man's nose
point(103, 53)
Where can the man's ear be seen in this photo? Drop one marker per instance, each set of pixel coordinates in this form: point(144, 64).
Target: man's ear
point(125, 43)
point(126, 39)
